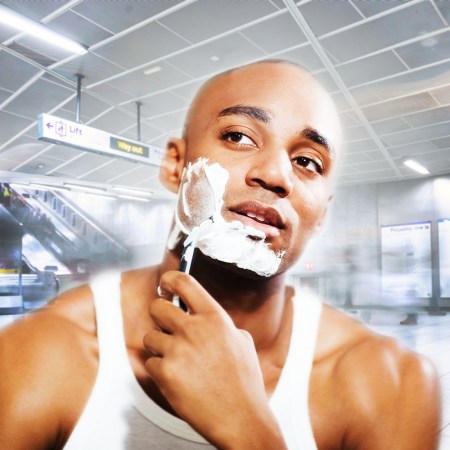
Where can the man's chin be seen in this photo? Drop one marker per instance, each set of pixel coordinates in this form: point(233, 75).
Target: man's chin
point(233, 268)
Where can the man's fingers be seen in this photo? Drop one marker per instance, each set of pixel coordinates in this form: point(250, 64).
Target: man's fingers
point(166, 315)
point(157, 342)
point(190, 291)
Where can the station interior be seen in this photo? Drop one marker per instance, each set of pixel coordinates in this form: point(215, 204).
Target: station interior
point(71, 208)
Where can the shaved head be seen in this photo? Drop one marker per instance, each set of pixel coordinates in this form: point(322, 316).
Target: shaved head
point(214, 83)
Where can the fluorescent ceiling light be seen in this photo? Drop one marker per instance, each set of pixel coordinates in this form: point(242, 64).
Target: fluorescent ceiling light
point(414, 165)
point(132, 191)
point(80, 187)
point(131, 197)
point(152, 69)
point(47, 187)
point(28, 26)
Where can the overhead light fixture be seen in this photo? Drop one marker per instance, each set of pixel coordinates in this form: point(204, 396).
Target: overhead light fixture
point(417, 167)
point(48, 187)
point(29, 26)
point(214, 58)
point(80, 187)
point(152, 69)
point(131, 197)
point(131, 191)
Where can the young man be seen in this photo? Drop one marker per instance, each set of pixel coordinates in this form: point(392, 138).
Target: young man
point(253, 365)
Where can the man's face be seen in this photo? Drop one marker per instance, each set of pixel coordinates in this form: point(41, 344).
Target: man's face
point(276, 133)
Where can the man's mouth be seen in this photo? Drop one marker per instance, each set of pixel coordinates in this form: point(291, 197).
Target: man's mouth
point(256, 215)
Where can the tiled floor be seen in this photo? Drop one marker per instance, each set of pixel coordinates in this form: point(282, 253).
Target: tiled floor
point(431, 337)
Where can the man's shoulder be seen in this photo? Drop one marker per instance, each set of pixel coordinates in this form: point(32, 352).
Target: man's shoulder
point(43, 388)
point(375, 376)
point(358, 350)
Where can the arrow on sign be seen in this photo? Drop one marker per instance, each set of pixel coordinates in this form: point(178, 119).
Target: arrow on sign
point(49, 125)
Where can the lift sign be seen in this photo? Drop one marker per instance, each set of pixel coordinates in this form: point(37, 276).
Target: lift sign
point(61, 131)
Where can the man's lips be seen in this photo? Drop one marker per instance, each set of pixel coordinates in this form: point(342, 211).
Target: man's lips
point(263, 218)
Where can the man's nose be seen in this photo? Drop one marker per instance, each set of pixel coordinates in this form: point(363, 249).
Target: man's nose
point(272, 170)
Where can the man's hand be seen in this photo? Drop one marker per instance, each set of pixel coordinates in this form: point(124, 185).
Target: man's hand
point(208, 369)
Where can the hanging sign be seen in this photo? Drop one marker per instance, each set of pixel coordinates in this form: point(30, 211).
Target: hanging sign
point(61, 131)
point(444, 256)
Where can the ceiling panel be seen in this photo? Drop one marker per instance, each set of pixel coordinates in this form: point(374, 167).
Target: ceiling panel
point(40, 97)
point(170, 122)
point(426, 51)
point(4, 95)
point(407, 23)
point(113, 121)
point(371, 8)
point(268, 37)
point(23, 149)
point(141, 46)
point(11, 125)
point(18, 73)
point(399, 106)
point(231, 50)
point(36, 10)
point(62, 153)
point(356, 133)
point(207, 18)
point(324, 17)
point(89, 107)
point(93, 68)
point(371, 68)
point(442, 95)
point(425, 118)
point(305, 56)
point(442, 142)
point(138, 84)
point(418, 134)
point(117, 16)
point(78, 28)
point(111, 94)
point(391, 125)
point(360, 146)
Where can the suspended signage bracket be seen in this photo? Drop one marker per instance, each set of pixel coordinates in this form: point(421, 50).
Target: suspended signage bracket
point(61, 131)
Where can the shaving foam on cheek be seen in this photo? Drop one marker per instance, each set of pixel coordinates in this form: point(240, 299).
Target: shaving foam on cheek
point(198, 215)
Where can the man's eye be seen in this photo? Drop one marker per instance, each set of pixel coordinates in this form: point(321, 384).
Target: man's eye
point(237, 138)
point(309, 164)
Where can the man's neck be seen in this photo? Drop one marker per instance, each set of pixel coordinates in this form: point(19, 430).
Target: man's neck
point(254, 303)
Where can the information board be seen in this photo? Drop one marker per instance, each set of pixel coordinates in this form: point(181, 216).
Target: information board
point(444, 256)
point(406, 261)
point(61, 131)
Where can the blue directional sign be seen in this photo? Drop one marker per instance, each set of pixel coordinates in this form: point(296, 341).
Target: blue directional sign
point(61, 131)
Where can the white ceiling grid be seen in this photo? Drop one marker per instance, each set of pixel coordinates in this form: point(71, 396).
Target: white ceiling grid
point(385, 62)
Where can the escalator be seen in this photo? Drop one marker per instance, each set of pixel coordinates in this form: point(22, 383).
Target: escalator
point(75, 239)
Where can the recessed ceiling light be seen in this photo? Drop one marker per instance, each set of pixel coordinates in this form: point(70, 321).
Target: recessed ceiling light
point(214, 58)
point(26, 25)
point(152, 69)
point(417, 167)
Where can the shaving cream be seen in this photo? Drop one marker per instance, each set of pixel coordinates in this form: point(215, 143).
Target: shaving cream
point(198, 215)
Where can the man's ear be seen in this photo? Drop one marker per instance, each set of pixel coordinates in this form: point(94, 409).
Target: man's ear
point(323, 216)
point(173, 164)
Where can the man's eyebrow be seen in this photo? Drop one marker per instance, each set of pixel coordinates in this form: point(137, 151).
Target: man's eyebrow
point(250, 111)
point(314, 136)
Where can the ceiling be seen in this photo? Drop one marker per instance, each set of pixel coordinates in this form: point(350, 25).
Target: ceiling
point(386, 63)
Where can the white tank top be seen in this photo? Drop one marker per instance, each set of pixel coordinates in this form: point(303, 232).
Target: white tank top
point(119, 415)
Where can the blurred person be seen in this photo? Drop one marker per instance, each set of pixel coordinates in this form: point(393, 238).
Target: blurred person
point(253, 364)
